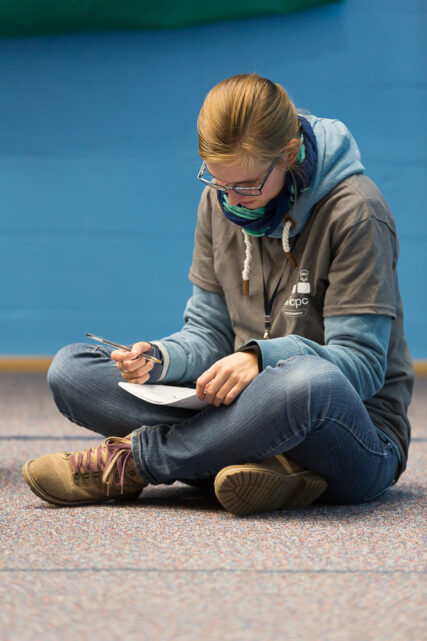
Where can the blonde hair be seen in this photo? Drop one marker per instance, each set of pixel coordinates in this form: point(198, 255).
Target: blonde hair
point(246, 118)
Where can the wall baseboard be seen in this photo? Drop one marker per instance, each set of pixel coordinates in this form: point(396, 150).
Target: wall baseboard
point(420, 368)
point(25, 364)
point(33, 364)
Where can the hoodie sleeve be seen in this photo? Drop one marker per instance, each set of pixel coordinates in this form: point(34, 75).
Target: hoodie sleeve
point(357, 344)
point(206, 337)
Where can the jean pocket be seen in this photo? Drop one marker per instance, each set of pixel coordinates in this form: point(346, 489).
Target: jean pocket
point(388, 443)
point(389, 471)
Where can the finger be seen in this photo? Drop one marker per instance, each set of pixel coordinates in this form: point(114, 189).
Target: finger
point(217, 383)
point(139, 380)
point(130, 369)
point(224, 390)
point(121, 355)
point(137, 368)
point(139, 348)
point(203, 381)
point(122, 369)
point(131, 378)
point(233, 394)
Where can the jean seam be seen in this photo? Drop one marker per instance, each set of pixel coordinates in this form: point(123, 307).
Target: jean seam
point(316, 426)
point(141, 464)
point(81, 424)
point(355, 436)
point(388, 442)
point(367, 449)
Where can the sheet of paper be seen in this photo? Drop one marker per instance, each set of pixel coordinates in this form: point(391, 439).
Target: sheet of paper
point(165, 395)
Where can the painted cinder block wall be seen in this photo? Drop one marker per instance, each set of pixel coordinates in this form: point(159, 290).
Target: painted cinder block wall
point(98, 158)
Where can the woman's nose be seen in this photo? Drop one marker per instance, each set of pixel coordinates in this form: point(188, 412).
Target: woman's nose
point(233, 198)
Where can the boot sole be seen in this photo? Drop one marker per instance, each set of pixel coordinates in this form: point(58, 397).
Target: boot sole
point(247, 491)
point(53, 500)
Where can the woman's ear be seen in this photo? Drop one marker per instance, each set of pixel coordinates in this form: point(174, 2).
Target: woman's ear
point(292, 151)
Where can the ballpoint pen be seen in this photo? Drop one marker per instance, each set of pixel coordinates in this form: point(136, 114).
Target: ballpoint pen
point(125, 347)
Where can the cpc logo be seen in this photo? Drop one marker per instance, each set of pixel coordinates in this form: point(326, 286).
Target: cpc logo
point(303, 275)
point(296, 302)
point(296, 305)
point(302, 286)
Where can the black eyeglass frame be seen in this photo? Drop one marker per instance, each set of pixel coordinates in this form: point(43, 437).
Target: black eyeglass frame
point(242, 191)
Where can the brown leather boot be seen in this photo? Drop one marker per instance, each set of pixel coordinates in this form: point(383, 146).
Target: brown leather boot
point(90, 476)
point(272, 484)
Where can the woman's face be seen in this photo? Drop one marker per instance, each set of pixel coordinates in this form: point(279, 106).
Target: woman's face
point(233, 175)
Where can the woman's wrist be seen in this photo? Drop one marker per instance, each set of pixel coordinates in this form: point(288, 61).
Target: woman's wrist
point(253, 347)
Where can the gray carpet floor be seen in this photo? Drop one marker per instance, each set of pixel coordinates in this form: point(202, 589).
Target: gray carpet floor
point(175, 566)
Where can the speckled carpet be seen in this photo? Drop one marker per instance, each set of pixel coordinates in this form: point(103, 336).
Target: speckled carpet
point(175, 566)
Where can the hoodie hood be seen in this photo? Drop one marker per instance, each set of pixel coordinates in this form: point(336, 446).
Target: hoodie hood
point(338, 157)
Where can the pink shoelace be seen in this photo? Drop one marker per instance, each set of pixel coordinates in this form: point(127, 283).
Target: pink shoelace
point(112, 456)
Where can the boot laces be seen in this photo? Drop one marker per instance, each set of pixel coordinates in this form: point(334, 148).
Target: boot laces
point(111, 458)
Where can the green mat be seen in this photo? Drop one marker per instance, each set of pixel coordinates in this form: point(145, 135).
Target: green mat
point(26, 17)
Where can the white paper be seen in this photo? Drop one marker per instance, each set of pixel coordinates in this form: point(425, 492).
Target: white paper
point(165, 395)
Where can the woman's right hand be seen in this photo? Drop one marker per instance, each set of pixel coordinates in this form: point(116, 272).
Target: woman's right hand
point(133, 366)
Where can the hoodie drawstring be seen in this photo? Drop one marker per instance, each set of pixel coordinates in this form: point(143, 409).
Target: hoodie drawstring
point(247, 262)
point(289, 224)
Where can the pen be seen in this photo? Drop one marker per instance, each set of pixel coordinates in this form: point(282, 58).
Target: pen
point(127, 349)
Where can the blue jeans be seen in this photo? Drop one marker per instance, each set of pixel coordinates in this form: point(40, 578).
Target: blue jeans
point(303, 407)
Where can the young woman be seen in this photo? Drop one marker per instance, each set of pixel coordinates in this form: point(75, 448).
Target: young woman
point(293, 334)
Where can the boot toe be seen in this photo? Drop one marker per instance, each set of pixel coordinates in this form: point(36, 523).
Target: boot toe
point(50, 477)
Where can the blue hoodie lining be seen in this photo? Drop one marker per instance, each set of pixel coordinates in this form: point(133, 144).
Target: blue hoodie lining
point(338, 157)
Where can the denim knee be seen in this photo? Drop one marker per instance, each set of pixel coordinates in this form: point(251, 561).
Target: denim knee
point(63, 366)
point(294, 398)
point(309, 384)
point(76, 378)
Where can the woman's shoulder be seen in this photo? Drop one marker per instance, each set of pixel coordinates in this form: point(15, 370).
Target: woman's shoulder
point(207, 198)
point(355, 200)
point(206, 205)
point(210, 216)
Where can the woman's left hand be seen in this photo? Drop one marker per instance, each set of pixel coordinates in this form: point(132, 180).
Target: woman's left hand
point(227, 378)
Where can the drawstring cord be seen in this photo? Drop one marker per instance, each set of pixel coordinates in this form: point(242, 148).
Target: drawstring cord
point(289, 225)
point(247, 262)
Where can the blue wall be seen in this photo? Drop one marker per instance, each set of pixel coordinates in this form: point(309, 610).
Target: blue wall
point(98, 157)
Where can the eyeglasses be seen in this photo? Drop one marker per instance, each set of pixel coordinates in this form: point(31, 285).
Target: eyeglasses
point(243, 191)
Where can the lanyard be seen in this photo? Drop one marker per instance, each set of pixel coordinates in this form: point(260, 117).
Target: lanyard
point(268, 304)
